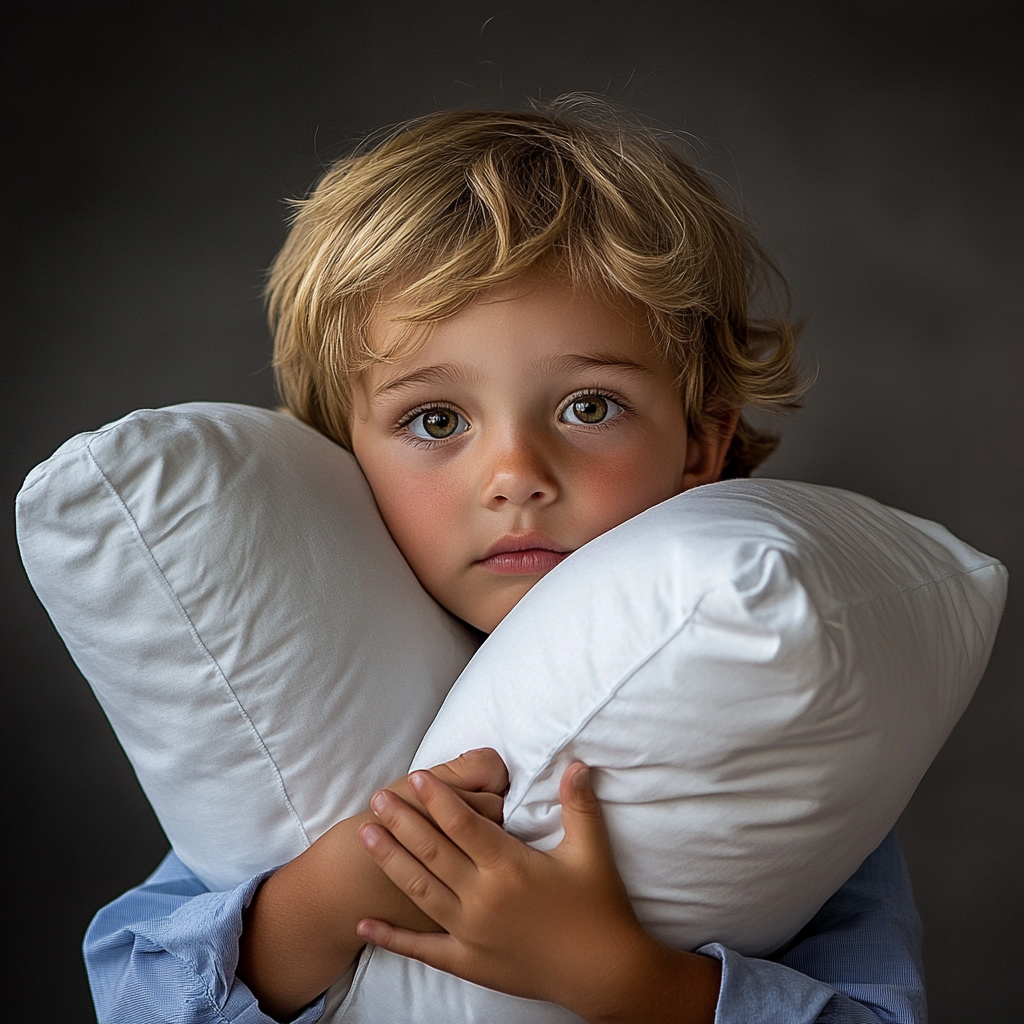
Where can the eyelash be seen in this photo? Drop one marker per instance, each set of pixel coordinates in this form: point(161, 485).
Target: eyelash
point(420, 442)
point(611, 396)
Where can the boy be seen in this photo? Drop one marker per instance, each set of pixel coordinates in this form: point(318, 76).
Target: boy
point(527, 330)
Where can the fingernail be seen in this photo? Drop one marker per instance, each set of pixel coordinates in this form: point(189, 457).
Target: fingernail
point(581, 780)
point(366, 930)
point(418, 780)
point(369, 836)
point(378, 803)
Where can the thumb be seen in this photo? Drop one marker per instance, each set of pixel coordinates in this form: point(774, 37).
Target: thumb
point(480, 770)
point(582, 817)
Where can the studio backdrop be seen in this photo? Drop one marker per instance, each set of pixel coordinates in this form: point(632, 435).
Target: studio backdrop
point(149, 149)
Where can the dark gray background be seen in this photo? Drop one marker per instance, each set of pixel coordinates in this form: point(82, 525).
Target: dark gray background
point(877, 146)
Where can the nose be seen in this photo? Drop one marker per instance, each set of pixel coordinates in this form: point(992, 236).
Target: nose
point(519, 472)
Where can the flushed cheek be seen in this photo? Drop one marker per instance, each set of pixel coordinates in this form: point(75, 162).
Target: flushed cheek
point(612, 491)
point(419, 512)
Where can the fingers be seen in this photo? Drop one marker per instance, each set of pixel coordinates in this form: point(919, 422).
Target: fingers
point(479, 776)
point(488, 804)
point(425, 852)
point(480, 839)
point(582, 818)
point(481, 770)
point(428, 892)
point(432, 948)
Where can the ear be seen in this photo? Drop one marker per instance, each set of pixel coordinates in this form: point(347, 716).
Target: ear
point(705, 456)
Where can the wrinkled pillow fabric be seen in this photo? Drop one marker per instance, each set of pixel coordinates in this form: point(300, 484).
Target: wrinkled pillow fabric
point(264, 653)
point(758, 671)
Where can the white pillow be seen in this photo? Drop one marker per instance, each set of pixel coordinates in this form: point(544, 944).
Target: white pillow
point(760, 672)
point(264, 653)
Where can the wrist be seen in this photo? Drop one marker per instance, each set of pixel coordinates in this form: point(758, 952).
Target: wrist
point(297, 938)
point(652, 983)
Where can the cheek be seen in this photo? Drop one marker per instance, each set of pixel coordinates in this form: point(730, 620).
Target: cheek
point(616, 489)
point(418, 508)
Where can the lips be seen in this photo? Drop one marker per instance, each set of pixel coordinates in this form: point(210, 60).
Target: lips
point(525, 554)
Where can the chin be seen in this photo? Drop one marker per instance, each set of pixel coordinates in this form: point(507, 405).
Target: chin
point(492, 606)
point(488, 621)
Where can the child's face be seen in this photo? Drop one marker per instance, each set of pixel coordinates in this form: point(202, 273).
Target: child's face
point(524, 426)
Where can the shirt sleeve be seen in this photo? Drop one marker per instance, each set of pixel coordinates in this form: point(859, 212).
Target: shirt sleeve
point(167, 950)
point(858, 960)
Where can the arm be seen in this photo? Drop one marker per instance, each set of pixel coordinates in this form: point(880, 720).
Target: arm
point(172, 950)
point(299, 936)
point(167, 950)
point(856, 962)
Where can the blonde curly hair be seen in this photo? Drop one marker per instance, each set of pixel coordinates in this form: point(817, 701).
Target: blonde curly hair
point(454, 203)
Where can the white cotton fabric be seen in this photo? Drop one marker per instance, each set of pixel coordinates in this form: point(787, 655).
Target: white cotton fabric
point(758, 671)
point(265, 655)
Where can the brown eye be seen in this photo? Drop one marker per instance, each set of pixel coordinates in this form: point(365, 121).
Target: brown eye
point(590, 409)
point(437, 424)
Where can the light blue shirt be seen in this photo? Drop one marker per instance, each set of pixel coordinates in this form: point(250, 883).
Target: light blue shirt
point(167, 951)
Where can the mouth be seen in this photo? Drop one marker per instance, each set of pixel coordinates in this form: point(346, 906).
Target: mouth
point(525, 554)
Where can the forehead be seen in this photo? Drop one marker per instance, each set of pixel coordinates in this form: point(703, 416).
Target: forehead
point(528, 319)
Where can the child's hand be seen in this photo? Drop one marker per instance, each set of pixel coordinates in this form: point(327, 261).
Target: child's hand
point(479, 777)
point(299, 933)
point(556, 926)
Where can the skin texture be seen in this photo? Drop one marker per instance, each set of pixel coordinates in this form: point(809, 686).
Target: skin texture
point(518, 469)
point(568, 932)
point(560, 421)
point(299, 934)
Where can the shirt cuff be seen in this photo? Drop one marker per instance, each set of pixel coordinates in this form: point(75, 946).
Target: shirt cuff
point(762, 992)
point(202, 935)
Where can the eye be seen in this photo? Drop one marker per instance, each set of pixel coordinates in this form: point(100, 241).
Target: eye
point(590, 409)
point(436, 424)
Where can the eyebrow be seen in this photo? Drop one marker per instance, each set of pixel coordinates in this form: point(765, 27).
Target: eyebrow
point(599, 362)
point(443, 373)
point(447, 373)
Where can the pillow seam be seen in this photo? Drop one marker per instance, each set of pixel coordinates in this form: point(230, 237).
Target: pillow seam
point(910, 588)
point(198, 640)
point(549, 758)
point(613, 690)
